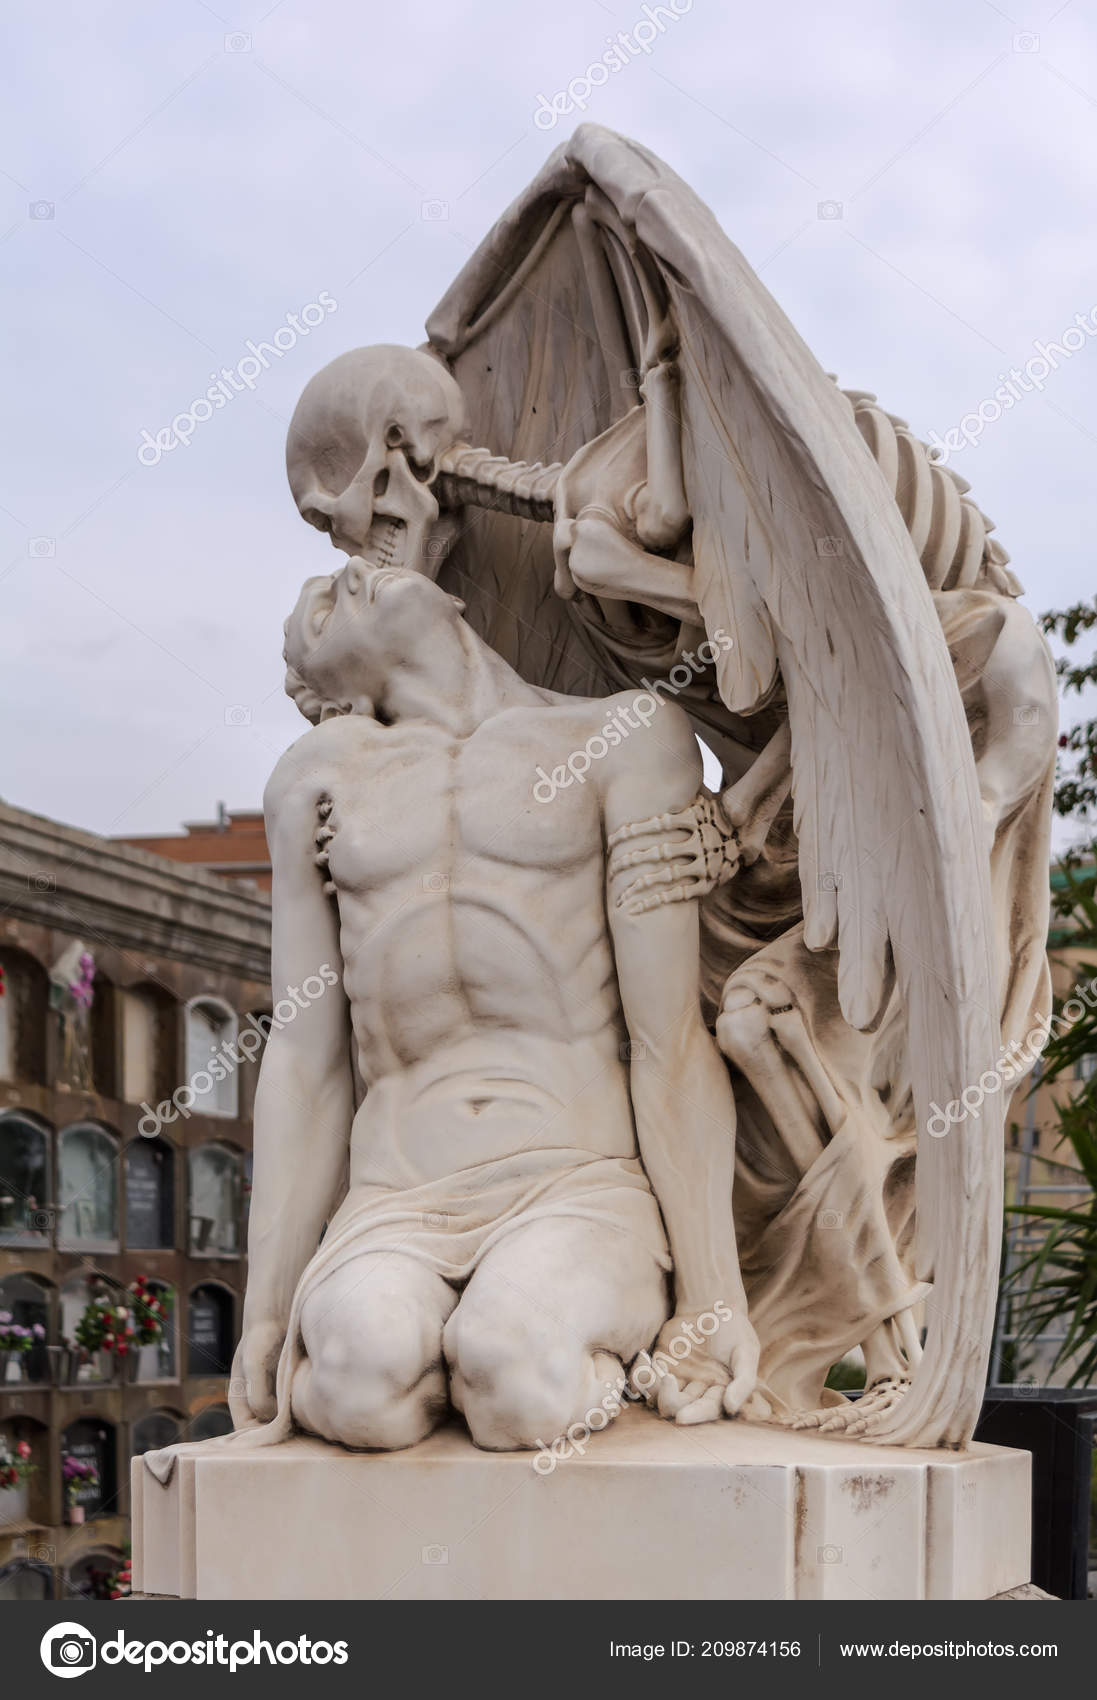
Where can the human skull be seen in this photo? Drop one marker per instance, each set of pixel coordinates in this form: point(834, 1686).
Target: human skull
point(362, 454)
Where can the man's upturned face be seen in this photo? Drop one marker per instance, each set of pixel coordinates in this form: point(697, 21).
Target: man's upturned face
point(352, 629)
point(363, 450)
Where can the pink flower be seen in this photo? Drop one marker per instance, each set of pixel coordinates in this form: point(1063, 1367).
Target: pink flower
point(23, 1449)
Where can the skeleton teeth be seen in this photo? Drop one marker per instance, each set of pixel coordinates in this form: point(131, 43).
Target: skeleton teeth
point(386, 541)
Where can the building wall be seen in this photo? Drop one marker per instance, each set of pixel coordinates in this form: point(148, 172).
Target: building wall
point(164, 940)
point(234, 847)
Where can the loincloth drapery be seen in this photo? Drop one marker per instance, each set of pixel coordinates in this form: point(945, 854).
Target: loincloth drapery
point(450, 1225)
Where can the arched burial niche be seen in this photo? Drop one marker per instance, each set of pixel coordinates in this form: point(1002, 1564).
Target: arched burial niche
point(25, 1180)
point(209, 1330)
point(212, 1082)
point(88, 1171)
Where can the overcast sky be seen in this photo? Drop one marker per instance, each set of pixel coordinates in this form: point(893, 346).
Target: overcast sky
point(178, 178)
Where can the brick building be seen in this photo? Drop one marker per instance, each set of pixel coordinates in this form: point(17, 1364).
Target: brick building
point(234, 846)
point(94, 1189)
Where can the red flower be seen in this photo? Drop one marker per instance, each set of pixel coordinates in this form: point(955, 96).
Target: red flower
point(116, 1593)
point(23, 1449)
point(122, 1348)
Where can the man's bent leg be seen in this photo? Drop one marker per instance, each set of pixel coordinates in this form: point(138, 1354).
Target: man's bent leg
point(373, 1374)
point(545, 1326)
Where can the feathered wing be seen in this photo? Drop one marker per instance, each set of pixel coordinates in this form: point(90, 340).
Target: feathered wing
point(801, 554)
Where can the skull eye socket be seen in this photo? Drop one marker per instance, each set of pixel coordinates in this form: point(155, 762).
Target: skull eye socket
point(420, 469)
point(394, 437)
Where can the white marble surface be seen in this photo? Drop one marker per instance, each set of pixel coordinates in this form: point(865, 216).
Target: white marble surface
point(652, 1511)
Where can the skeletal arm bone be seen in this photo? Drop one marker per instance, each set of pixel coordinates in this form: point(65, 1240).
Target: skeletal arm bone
point(661, 509)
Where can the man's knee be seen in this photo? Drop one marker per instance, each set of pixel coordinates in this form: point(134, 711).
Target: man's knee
point(519, 1383)
point(375, 1375)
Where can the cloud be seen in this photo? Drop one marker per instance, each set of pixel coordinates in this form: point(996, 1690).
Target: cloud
point(199, 194)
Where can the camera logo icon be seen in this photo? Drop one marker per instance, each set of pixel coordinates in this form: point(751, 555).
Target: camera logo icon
point(68, 1650)
point(40, 209)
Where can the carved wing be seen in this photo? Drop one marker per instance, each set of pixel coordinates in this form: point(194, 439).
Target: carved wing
point(801, 554)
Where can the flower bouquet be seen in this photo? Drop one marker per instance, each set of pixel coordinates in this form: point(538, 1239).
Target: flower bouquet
point(77, 1474)
point(15, 1342)
point(15, 1464)
point(119, 1328)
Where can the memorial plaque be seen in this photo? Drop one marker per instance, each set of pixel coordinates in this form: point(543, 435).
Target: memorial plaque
point(148, 1197)
point(208, 1332)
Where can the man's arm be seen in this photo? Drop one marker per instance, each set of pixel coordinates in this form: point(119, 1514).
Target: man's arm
point(304, 1102)
point(681, 1092)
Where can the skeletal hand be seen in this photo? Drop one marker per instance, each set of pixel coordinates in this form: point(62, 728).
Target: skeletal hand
point(702, 854)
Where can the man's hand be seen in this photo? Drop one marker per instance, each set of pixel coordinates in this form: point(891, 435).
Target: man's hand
point(252, 1395)
point(717, 1373)
point(694, 850)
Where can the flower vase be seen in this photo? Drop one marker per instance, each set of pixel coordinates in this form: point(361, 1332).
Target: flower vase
point(133, 1364)
point(102, 1366)
point(76, 1514)
point(9, 1358)
point(64, 1364)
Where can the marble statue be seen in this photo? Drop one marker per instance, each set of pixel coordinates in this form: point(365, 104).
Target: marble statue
point(611, 1051)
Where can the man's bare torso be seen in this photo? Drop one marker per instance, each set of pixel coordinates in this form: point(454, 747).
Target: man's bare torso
point(477, 959)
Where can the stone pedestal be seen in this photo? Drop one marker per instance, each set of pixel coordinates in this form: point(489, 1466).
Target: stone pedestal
point(721, 1511)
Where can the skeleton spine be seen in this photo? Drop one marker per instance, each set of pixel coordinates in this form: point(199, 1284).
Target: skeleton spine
point(476, 476)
